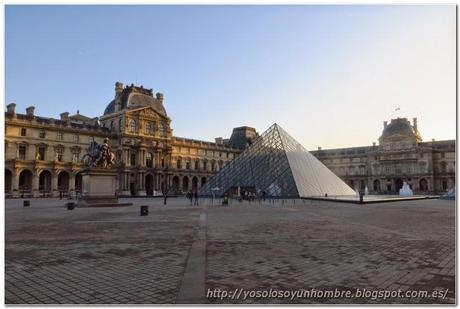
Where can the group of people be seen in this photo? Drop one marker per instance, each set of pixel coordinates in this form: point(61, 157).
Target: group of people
point(193, 197)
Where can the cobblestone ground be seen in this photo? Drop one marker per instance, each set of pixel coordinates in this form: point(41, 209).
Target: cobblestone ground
point(327, 246)
point(95, 255)
point(115, 256)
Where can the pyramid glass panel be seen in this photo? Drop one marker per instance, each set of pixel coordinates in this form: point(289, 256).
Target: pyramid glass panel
point(277, 165)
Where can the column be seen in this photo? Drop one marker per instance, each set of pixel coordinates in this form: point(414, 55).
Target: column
point(141, 183)
point(72, 182)
point(54, 185)
point(35, 182)
point(126, 188)
point(15, 184)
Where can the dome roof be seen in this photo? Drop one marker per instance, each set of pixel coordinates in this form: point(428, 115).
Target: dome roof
point(400, 128)
point(134, 97)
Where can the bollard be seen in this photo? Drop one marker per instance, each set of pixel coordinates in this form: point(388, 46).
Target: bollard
point(70, 206)
point(144, 210)
point(26, 203)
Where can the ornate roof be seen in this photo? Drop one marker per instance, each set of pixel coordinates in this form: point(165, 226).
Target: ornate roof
point(400, 128)
point(132, 97)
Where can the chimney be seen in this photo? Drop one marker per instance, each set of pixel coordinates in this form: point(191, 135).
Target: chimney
point(374, 144)
point(159, 96)
point(118, 88)
point(385, 123)
point(65, 116)
point(415, 123)
point(118, 91)
point(319, 148)
point(10, 109)
point(30, 111)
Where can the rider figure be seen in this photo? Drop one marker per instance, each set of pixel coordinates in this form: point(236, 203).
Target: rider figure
point(104, 153)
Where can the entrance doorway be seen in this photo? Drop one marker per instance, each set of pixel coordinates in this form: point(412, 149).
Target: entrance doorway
point(398, 184)
point(149, 184)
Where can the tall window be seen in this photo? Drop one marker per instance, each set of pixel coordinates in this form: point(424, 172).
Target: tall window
point(41, 152)
point(150, 128)
point(133, 158)
point(133, 126)
point(59, 153)
point(22, 152)
point(120, 124)
point(76, 138)
point(42, 133)
point(111, 125)
point(197, 164)
point(179, 163)
point(149, 159)
point(60, 136)
point(187, 165)
point(162, 130)
point(23, 131)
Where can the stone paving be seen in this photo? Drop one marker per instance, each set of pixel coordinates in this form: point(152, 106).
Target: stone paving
point(115, 256)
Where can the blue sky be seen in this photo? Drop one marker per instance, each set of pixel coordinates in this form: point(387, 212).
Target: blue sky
point(329, 75)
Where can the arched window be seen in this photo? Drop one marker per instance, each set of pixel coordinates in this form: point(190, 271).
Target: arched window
point(197, 164)
point(179, 163)
point(149, 159)
point(133, 126)
point(120, 124)
point(111, 125)
point(149, 128)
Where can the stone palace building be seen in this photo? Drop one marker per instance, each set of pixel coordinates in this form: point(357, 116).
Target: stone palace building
point(400, 156)
point(43, 155)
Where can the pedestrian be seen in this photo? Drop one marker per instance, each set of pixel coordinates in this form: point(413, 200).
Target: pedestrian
point(190, 197)
point(196, 198)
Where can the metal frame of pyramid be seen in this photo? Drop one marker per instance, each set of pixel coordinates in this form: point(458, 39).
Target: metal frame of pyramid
point(277, 165)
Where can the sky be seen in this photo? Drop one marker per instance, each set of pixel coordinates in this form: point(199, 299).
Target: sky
point(329, 75)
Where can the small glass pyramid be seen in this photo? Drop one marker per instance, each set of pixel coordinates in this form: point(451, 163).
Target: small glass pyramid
point(276, 165)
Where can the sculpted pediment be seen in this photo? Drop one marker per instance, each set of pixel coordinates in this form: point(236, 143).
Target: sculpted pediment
point(146, 112)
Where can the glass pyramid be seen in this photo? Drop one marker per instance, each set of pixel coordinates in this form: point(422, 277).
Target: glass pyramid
point(276, 165)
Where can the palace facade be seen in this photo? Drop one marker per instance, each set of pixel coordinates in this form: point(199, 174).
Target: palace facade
point(43, 155)
point(400, 156)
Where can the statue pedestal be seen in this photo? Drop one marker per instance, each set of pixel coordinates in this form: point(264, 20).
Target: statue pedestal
point(98, 188)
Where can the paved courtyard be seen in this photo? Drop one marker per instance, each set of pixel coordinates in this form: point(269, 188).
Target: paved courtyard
point(236, 254)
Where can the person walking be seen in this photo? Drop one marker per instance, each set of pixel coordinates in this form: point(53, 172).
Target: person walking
point(195, 195)
point(190, 197)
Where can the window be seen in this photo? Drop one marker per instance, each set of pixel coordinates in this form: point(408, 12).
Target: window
point(133, 126)
point(111, 125)
point(41, 152)
point(22, 152)
point(42, 133)
point(149, 159)
point(60, 136)
point(23, 131)
point(162, 130)
point(187, 165)
point(442, 154)
point(197, 164)
point(59, 153)
point(179, 163)
point(76, 157)
point(150, 128)
point(133, 158)
point(76, 138)
point(120, 124)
